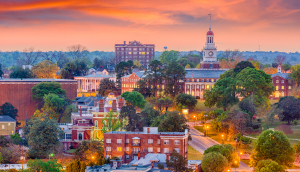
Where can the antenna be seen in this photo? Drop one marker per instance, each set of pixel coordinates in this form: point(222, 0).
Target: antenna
point(258, 47)
point(209, 21)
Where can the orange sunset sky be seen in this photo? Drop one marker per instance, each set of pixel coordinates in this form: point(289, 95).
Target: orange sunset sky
point(181, 25)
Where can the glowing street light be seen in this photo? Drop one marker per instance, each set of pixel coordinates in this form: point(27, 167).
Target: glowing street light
point(51, 155)
point(185, 112)
point(222, 138)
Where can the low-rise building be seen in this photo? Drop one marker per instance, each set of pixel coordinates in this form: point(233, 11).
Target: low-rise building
point(130, 146)
point(7, 125)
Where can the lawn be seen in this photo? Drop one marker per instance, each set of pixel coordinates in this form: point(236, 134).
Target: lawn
point(194, 154)
point(71, 151)
point(200, 106)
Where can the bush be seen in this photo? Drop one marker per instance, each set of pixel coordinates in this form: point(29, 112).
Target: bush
point(214, 162)
point(268, 166)
point(295, 122)
point(160, 166)
point(255, 126)
point(76, 166)
point(39, 165)
point(259, 120)
point(297, 147)
point(246, 140)
point(197, 97)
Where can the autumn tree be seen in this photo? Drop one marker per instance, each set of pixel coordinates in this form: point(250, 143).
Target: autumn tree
point(295, 73)
point(89, 149)
point(270, 70)
point(45, 69)
point(280, 59)
point(107, 86)
point(137, 64)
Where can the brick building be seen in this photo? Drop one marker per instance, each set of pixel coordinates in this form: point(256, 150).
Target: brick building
point(133, 145)
point(283, 86)
point(18, 93)
point(134, 51)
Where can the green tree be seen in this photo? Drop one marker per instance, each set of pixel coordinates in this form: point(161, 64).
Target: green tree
point(154, 76)
point(214, 162)
point(21, 73)
point(128, 113)
point(289, 108)
point(40, 165)
point(97, 63)
point(107, 86)
point(137, 64)
point(74, 68)
point(148, 114)
point(1, 72)
point(272, 145)
point(55, 106)
point(44, 88)
point(43, 135)
point(268, 166)
point(122, 69)
point(169, 56)
point(178, 163)
point(247, 105)
point(45, 69)
point(173, 122)
point(134, 98)
point(165, 103)
point(89, 149)
point(143, 88)
point(185, 101)
point(7, 109)
point(173, 74)
point(285, 67)
point(228, 152)
point(110, 123)
point(16, 139)
point(295, 73)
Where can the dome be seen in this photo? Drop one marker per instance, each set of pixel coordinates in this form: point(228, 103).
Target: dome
point(210, 33)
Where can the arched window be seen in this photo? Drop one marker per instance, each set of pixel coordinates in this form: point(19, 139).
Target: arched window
point(207, 39)
point(95, 135)
point(79, 136)
point(96, 123)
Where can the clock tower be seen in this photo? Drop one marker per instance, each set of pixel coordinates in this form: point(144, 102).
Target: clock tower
point(210, 51)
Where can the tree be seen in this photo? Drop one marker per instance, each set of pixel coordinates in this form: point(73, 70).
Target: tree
point(289, 108)
point(7, 109)
point(154, 76)
point(187, 66)
point(62, 59)
point(44, 88)
point(137, 63)
point(295, 73)
point(107, 86)
point(1, 72)
point(247, 105)
point(272, 145)
point(134, 98)
point(214, 162)
point(43, 135)
point(165, 103)
point(11, 153)
point(285, 67)
point(173, 122)
point(110, 123)
point(21, 73)
point(177, 162)
point(128, 113)
point(185, 101)
point(74, 68)
point(280, 59)
point(173, 73)
point(243, 65)
point(143, 88)
point(40, 165)
point(16, 139)
point(98, 63)
point(78, 51)
point(268, 166)
point(169, 56)
point(148, 114)
point(29, 57)
point(228, 152)
point(231, 55)
point(275, 65)
point(122, 69)
point(236, 121)
point(45, 69)
point(89, 149)
point(270, 70)
point(55, 106)
point(74, 166)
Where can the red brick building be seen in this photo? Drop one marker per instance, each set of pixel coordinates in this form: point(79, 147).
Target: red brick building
point(134, 145)
point(18, 93)
point(134, 51)
point(283, 86)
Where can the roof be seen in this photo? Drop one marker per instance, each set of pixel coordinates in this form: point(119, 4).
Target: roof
point(7, 119)
point(35, 80)
point(139, 74)
point(282, 75)
point(95, 76)
point(151, 157)
point(194, 162)
point(204, 73)
point(210, 33)
point(141, 132)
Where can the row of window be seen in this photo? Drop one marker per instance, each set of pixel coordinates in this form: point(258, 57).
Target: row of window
point(141, 53)
point(136, 49)
point(277, 81)
point(67, 136)
point(150, 150)
point(202, 80)
point(198, 86)
point(150, 141)
point(282, 87)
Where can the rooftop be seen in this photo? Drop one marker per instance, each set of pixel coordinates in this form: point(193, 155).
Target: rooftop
point(282, 75)
point(7, 119)
point(96, 76)
point(35, 80)
point(204, 73)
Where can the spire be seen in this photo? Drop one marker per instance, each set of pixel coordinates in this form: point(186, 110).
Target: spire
point(209, 21)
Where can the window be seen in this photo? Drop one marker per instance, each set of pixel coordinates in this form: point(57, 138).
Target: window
point(202, 80)
point(68, 136)
point(166, 150)
point(119, 149)
point(177, 150)
point(127, 156)
point(290, 87)
point(150, 141)
point(3, 127)
point(80, 136)
point(108, 149)
point(282, 87)
point(158, 141)
point(150, 149)
point(207, 80)
point(212, 80)
point(127, 149)
point(158, 150)
point(276, 87)
point(282, 81)
point(96, 123)
point(127, 140)
point(108, 140)
point(166, 142)
point(277, 81)
point(197, 80)
point(119, 141)
point(176, 142)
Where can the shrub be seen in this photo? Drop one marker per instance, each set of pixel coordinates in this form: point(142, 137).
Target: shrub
point(295, 122)
point(255, 126)
point(214, 162)
point(259, 120)
point(297, 147)
point(246, 140)
point(268, 166)
point(160, 166)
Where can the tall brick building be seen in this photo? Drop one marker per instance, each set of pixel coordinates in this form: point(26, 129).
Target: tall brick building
point(283, 86)
point(134, 51)
point(134, 145)
point(18, 93)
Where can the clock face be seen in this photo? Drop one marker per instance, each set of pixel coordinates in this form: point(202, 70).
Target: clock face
point(210, 53)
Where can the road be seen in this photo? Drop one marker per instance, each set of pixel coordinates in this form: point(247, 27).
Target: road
point(201, 143)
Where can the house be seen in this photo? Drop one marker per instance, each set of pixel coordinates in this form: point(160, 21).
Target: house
point(7, 125)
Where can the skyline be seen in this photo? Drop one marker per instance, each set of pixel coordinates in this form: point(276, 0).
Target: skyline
point(51, 25)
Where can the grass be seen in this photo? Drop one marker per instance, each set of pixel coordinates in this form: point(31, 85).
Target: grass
point(200, 106)
point(193, 154)
point(71, 151)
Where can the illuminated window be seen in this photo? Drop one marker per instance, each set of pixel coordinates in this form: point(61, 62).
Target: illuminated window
point(193, 93)
point(282, 81)
point(212, 86)
point(212, 80)
point(207, 86)
point(108, 149)
point(129, 52)
point(276, 87)
point(290, 87)
point(157, 86)
point(163, 87)
point(187, 92)
point(282, 87)
point(110, 102)
point(119, 149)
point(277, 81)
point(150, 149)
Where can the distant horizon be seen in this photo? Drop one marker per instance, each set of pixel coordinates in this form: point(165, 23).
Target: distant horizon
point(53, 25)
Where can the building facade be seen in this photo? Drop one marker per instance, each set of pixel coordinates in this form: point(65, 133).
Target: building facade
point(18, 93)
point(282, 84)
point(133, 145)
point(7, 125)
point(134, 51)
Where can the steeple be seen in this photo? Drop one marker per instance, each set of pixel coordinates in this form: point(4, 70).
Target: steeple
point(209, 21)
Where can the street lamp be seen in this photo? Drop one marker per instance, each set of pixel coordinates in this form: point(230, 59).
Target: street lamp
point(207, 130)
point(222, 138)
point(185, 112)
point(194, 120)
point(235, 162)
point(51, 155)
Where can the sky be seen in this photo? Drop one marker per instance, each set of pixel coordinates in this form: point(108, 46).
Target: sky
point(49, 25)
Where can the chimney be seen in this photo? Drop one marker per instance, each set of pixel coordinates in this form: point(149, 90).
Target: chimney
point(80, 112)
point(120, 103)
point(167, 156)
point(148, 130)
point(279, 69)
point(114, 105)
point(139, 155)
point(144, 155)
point(101, 105)
point(124, 42)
